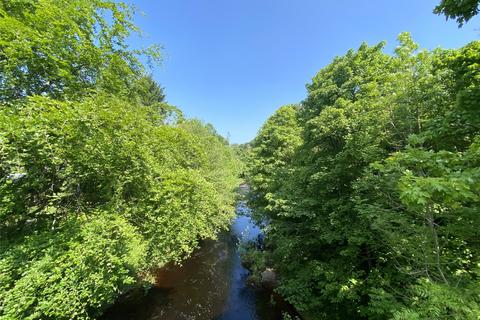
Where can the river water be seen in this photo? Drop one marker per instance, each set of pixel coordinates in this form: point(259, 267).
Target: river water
point(208, 285)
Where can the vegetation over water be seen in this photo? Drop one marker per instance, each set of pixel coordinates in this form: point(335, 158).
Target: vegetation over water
point(370, 188)
point(101, 181)
point(368, 191)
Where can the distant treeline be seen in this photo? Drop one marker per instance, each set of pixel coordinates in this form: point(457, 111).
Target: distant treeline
point(101, 181)
point(370, 187)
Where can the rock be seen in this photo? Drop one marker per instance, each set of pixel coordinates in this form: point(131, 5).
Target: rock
point(269, 278)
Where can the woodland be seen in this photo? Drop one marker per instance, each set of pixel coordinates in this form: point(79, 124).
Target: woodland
point(367, 191)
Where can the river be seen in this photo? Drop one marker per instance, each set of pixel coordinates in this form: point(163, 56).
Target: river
point(208, 285)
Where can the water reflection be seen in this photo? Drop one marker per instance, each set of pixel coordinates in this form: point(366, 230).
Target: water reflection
point(209, 285)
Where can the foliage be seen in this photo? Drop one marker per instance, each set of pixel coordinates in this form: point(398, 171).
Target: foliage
point(461, 10)
point(255, 260)
point(62, 161)
point(242, 152)
point(101, 181)
point(66, 48)
point(271, 152)
point(149, 92)
point(371, 202)
point(71, 272)
point(221, 166)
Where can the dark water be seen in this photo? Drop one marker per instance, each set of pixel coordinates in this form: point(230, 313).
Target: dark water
point(209, 285)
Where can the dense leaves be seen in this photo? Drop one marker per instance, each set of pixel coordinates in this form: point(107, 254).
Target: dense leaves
point(63, 161)
point(370, 189)
point(64, 48)
point(101, 181)
point(461, 10)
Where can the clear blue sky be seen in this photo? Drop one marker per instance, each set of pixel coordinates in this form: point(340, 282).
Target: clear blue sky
point(232, 63)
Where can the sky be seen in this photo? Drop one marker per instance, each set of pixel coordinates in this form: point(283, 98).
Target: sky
point(232, 63)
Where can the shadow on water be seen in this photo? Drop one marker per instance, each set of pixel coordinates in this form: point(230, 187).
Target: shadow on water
point(209, 285)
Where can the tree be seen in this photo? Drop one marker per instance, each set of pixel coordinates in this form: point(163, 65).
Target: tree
point(66, 48)
point(373, 213)
point(460, 10)
point(95, 194)
point(101, 181)
point(149, 92)
point(271, 153)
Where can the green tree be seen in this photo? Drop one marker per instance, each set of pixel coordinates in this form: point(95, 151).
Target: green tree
point(149, 92)
point(373, 215)
point(269, 158)
point(68, 166)
point(101, 181)
point(460, 10)
point(66, 48)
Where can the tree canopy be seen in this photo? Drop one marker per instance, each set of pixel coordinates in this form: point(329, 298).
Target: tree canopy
point(65, 48)
point(460, 10)
point(101, 181)
point(369, 189)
